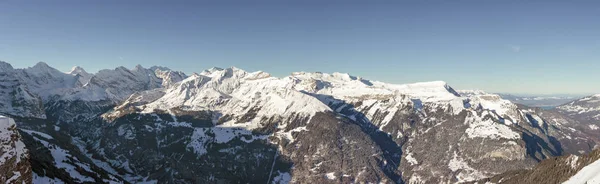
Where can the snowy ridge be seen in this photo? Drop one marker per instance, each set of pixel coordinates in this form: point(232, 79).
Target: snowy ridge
point(589, 174)
point(10, 148)
point(81, 76)
point(63, 159)
point(347, 86)
point(115, 85)
point(234, 91)
point(479, 126)
point(590, 104)
point(13, 154)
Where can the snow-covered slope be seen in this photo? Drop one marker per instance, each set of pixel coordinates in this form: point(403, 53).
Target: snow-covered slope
point(61, 165)
point(587, 108)
point(81, 76)
point(15, 97)
point(46, 81)
point(232, 91)
point(589, 174)
point(14, 157)
point(27, 92)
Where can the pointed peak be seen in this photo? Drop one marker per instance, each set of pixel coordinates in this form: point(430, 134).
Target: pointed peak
point(5, 66)
point(121, 68)
point(138, 67)
point(211, 70)
point(194, 78)
point(236, 69)
point(160, 68)
point(77, 70)
point(42, 67)
point(41, 64)
point(215, 69)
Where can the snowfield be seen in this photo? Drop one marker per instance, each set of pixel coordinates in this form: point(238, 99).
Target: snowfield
point(589, 174)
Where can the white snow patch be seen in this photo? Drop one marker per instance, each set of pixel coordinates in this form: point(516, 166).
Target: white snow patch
point(199, 140)
point(16, 175)
point(572, 161)
point(63, 160)
point(330, 176)
point(44, 179)
point(31, 132)
point(7, 149)
point(411, 160)
point(282, 178)
point(465, 172)
point(589, 174)
point(488, 128)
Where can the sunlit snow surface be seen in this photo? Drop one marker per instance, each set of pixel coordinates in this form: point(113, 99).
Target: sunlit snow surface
point(6, 135)
point(589, 174)
point(10, 148)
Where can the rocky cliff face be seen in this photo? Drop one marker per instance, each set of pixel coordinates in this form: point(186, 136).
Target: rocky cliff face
point(14, 157)
point(563, 169)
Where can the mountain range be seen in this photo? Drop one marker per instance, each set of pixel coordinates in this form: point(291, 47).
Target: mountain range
point(156, 125)
point(543, 101)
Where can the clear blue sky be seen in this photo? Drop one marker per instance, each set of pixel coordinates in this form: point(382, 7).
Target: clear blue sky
point(497, 46)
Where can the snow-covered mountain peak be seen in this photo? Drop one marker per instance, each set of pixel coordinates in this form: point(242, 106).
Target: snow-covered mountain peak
point(41, 64)
point(231, 73)
point(80, 75)
point(159, 68)
point(194, 80)
point(336, 76)
point(434, 91)
point(138, 67)
point(471, 92)
point(586, 106)
point(258, 75)
point(4, 66)
point(211, 70)
point(119, 69)
point(341, 85)
point(77, 70)
point(42, 68)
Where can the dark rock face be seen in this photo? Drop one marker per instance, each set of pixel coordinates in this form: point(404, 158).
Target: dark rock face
point(553, 170)
point(167, 151)
point(583, 115)
point(334, 149)
point(14, 157)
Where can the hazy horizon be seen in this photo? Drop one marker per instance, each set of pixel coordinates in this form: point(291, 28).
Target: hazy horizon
point(502, 47)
